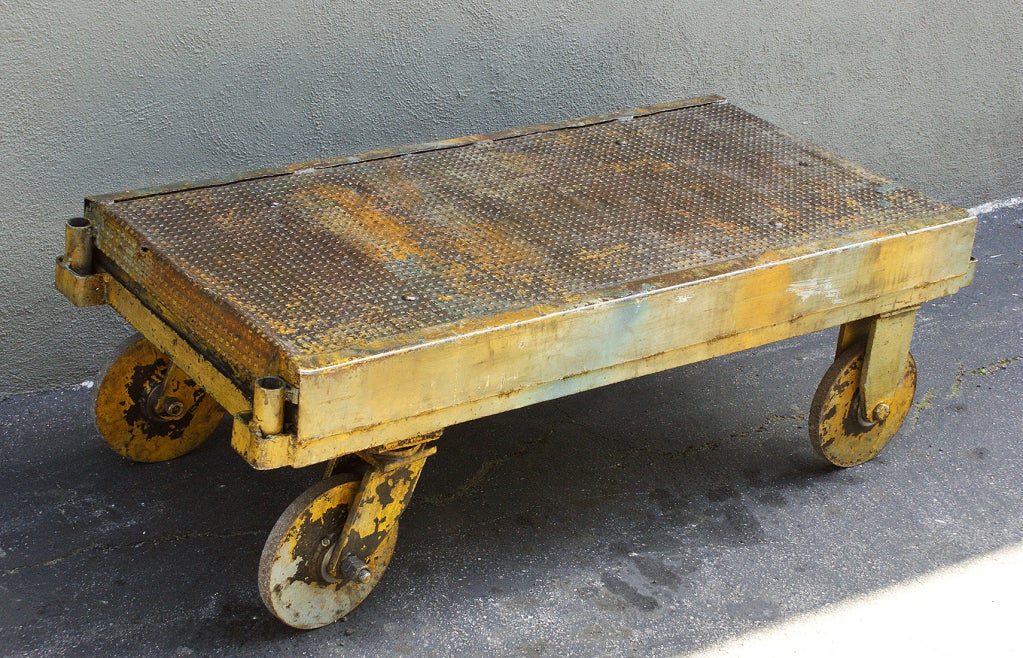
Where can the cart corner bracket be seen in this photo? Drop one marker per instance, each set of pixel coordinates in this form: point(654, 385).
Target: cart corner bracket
point(75, 277)
point(81, 290)
point(262, 451)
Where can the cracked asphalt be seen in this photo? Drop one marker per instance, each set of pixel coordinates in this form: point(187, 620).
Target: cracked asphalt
point(655, 517)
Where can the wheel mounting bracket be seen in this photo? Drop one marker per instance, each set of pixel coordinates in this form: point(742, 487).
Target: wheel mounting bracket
point(885, 361)
point(886, 338)
point(383, 495)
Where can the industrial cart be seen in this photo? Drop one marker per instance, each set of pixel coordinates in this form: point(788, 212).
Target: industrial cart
point(345, 311)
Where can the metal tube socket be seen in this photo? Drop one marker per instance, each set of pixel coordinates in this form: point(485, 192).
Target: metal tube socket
point(268, 405)
point(78, 245)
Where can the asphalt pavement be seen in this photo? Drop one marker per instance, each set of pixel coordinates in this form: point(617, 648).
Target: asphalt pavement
point(661, 516)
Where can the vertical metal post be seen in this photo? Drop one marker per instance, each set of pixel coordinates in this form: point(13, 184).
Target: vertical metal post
point(268, 405)
point(78, 245)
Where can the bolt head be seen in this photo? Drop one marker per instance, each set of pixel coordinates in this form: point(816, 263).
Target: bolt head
point(325, 542)
point(881, 412)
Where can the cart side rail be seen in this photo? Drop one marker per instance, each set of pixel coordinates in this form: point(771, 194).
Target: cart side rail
point(427, 387)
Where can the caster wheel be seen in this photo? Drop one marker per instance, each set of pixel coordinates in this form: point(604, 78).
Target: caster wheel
point(839, 430)
point(294, 582)
point(126, 414)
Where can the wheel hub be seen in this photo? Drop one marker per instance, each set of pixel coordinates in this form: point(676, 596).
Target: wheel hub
point(349, 568)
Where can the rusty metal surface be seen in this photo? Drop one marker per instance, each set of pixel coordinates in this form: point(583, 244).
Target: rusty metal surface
point(342, 257)
point(291, 581)
point(837, 430)
point(148, 409)
point(331, 546)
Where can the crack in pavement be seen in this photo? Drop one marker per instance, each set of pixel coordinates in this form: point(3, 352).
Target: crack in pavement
point(106, 548)
point(988, 369)
point(957, 382)
point(919, 407)
point(771, 420)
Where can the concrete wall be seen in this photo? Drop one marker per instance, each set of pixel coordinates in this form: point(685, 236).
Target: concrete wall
point(104, 96)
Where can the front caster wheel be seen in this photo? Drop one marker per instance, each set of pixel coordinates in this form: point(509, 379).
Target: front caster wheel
point(839, 429)
point(127, 402)
point(295, 581)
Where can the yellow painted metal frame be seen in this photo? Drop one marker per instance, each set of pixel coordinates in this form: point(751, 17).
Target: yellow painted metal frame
point(513, 362)
point(423, 388)
point(177, 349)
point(317, 406)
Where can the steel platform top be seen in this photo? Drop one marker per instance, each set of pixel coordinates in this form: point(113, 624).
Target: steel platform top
point(343, 259)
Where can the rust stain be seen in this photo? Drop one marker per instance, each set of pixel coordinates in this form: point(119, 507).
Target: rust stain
point(374, 230)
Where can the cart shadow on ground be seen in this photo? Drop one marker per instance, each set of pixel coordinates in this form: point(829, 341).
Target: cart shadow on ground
point(658, 513)
point(652, 517)
point(610, 498)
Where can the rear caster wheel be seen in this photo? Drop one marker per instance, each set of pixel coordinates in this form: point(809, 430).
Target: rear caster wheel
point(141, 420)
point(839, 429)
point(295, 581)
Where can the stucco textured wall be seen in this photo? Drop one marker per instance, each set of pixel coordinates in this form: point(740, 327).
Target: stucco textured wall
point(103, 96)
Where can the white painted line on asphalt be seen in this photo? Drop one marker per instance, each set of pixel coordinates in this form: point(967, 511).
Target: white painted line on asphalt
point(968, 609)
point(991, 206)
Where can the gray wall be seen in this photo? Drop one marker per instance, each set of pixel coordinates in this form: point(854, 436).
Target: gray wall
point(103, 96)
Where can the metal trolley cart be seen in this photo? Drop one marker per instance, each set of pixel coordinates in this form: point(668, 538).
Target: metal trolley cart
point(345, 311)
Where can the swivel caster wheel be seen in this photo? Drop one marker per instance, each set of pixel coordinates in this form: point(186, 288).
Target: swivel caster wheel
point(147, 410)
point(840, 429)
point(295, 579)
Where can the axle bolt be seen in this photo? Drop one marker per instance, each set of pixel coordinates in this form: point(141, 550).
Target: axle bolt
point(174, 408)
point(881, 412)
point(354, 569)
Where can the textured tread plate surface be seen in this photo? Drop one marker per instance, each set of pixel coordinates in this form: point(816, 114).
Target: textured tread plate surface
point(343, 258)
